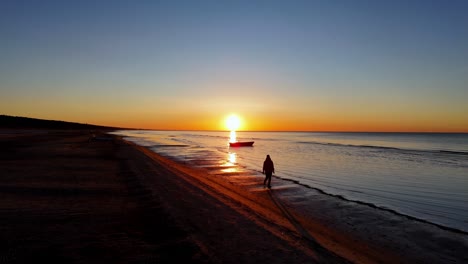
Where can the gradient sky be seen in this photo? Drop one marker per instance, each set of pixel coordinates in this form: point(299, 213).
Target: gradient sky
point(280, 65)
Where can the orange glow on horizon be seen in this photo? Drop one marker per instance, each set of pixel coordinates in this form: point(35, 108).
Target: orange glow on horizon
point(265, 121)
point(275, 123)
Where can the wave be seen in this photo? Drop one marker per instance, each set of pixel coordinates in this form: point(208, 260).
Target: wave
point(240, 135)
point(453, 152)
point(168, 146)
point(441, 151)
point(372, 205)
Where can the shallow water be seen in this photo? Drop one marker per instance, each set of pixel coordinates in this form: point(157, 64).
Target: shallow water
point(421, 175)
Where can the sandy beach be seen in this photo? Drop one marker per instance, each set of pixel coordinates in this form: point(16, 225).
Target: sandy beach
point(68, 199)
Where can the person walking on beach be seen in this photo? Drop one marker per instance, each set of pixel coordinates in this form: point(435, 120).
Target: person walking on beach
point(268, 169)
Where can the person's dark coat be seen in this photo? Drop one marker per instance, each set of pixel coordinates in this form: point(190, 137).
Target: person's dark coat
point(268, 166)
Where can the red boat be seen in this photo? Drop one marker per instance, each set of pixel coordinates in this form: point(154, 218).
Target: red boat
point(241, 144)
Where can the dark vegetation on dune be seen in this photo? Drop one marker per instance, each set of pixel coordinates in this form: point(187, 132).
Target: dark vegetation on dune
point(34, 123)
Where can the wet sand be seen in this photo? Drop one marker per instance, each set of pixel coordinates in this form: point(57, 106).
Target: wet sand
point(70, 200)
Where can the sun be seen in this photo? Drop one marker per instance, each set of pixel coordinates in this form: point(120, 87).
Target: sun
point(233, 122)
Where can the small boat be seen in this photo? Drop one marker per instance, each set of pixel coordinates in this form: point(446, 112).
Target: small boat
point(241, 144)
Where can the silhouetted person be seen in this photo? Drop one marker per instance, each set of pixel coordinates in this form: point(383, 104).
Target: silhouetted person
point(268, 169)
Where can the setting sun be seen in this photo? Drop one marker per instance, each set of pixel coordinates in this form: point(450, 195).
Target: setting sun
point(233, 122)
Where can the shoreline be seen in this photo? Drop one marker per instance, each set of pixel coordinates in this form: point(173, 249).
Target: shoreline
point(371, 205)
point(377, 228)
point(406, 198)
point(73, 200)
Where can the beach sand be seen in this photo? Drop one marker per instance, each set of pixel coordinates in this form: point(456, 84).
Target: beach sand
point(68, 199)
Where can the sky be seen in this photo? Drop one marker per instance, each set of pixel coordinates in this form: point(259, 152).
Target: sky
point(278, 65)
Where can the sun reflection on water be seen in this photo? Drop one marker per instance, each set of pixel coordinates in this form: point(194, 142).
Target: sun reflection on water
point(230, 170)
point(232, 157)
point(232, 137)
point(230, 165)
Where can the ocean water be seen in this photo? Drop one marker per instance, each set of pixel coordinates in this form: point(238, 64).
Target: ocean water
point(422, 175)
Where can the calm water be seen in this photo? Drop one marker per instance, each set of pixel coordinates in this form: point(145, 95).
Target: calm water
point(420, 175)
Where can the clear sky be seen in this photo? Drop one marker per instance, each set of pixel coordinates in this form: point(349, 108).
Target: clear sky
point(279, 65)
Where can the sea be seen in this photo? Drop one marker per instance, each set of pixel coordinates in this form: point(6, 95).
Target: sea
point(420, 175)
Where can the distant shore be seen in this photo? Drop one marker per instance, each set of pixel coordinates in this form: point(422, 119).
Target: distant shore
point(69, 197)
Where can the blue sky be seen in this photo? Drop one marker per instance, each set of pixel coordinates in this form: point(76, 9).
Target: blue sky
point(314, 65)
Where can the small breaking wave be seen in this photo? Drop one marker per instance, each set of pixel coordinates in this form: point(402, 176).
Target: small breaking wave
point(450, 152)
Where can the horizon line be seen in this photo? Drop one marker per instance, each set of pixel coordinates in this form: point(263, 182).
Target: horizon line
point(225, 130)
point(302, 131)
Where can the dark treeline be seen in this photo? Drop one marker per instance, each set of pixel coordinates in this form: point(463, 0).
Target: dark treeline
point(26, 122)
